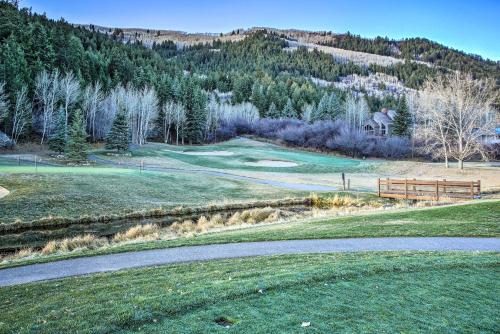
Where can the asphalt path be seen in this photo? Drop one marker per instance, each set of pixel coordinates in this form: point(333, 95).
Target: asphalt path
point(121, 261)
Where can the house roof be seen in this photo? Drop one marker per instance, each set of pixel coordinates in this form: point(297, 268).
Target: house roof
point(382, 118)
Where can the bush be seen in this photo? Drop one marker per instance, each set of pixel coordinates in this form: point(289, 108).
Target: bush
point(321, 135)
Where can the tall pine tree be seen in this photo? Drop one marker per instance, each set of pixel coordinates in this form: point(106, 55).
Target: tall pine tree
point(77, 147)
point(289, 111)
point(272, 112)
point(119, 136)
point(402, 120)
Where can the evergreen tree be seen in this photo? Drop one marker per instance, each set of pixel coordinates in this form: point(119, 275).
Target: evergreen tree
point(289, 111)
point(57, 140)
point(329, 108)
point(77, 147)
point(119, 136)
point(272, 112)
point(402, 120)
point(195, 102)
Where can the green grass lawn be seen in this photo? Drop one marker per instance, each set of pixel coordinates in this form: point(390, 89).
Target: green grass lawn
point(417, 292)
point(244, 150)
point(95, 191)
point(471, 220)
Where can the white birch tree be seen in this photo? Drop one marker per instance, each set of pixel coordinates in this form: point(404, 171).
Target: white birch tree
point(70, 92)
point(22, 113)
point(47, 96)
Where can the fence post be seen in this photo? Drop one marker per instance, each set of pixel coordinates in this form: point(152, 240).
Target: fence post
point(444, 187)
point(349, 184)
point(36, 164)
point(343, 180)
point(414, 186)
point(379, 187)
point(406, 188)
point(437, 190)
point(18, 160)
point(479, 188)
point(472, 189)
point(388, 184)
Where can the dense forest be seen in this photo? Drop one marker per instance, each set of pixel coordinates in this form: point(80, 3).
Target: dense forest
point(65, 85)
point(420, 49)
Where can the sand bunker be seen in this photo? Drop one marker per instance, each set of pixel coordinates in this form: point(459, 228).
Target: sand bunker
point(271, 163)
point(210, 153)
point(204, 153)
point(3, 192)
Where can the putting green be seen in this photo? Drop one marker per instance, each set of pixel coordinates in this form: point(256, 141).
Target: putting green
point(248, 154)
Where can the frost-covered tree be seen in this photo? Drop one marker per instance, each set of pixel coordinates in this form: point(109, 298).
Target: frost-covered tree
point(69, 92)
point(171, 113)
point(356, 111)
point(307, 111)
point(92, 99)
point(22, 114)
point(455, 113)
point(47, 96)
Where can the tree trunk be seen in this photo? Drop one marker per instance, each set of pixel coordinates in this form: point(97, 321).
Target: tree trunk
point(446, 162)
point(461, 164)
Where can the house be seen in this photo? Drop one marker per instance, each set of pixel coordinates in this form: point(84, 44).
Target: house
point(380, 124)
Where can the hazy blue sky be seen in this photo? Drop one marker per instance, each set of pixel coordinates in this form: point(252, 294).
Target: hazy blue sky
point(469, 25)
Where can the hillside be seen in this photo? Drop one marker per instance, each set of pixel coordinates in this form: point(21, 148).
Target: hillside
point(343, 46)
point(263, 73)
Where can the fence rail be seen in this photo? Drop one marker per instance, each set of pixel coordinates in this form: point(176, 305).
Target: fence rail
point(428, 189)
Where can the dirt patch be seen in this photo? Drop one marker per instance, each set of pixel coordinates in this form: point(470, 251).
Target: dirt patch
point(271, 163)
point(3, 192)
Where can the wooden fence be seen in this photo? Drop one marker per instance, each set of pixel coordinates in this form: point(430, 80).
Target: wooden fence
point(428, 190)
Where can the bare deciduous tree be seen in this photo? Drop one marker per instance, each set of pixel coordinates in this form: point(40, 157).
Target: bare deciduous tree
point(22, 111)
point(92, 104)
point(454, 114)
point(170, 112)
point(47, 95)
point(356, 111)
point(70, 92)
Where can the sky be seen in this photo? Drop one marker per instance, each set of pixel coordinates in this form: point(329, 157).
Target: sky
point(469, 25)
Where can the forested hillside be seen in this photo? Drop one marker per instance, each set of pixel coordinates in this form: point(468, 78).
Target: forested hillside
point(419, 49)
point(65, 85)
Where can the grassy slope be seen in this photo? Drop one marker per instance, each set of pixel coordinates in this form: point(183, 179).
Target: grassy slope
point(370, 292)
point(473, 220)
point(77, 191)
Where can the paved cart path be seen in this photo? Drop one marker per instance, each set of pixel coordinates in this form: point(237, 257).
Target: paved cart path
point(112, 262)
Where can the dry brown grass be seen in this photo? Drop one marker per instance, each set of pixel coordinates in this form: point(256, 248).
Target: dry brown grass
point(334, 202)
point(87, 241)
point(148, 231)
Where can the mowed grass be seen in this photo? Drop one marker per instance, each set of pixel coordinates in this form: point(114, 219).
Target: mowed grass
point(245, 151)
point(95, 191)
point(471, 220)
point(417, 292)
